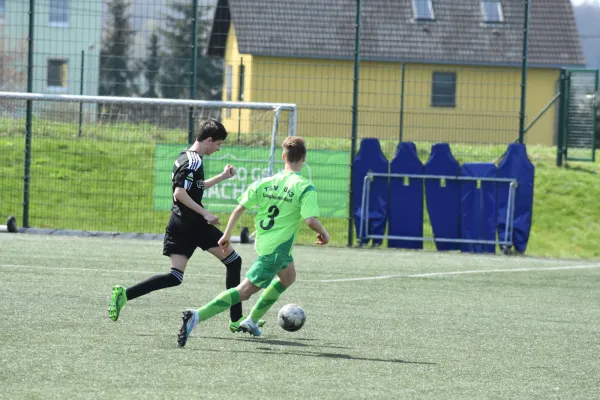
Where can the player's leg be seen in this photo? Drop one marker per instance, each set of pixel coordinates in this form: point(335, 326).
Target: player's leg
point(179, 250)
point(285, 278)
point(221, 303)
point(121, 295)
point(162, 281)
point(227, 299)
point(233, 272)
point(208, 241)
point(233, 264)
point(261, 273)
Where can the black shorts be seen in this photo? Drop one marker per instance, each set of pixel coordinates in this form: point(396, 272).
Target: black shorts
point(183, 237)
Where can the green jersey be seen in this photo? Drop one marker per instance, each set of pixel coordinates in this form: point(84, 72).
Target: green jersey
point(283, 201)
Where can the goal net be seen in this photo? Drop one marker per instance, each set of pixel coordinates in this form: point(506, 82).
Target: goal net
point(92, 163)
point(480, 231)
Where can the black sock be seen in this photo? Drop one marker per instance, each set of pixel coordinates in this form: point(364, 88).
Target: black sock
point(233, 262)
point(156, 282)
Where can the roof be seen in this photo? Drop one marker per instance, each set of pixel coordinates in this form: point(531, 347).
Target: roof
point(325, 29)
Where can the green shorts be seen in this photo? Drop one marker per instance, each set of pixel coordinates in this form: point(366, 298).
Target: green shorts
point(265, 268)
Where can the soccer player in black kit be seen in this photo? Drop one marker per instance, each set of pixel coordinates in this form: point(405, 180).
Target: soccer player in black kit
point(190, 225)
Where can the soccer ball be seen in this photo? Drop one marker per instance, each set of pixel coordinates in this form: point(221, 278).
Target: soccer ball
point(291, 317)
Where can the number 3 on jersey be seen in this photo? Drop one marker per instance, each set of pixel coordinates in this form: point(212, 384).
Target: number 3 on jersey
point(273, 212)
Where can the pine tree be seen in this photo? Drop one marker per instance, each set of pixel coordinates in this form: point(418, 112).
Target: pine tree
point(151, 66)
point(177, 67)
point(117, 72)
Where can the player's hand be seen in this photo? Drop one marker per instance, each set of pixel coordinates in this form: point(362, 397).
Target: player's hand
point(322, 239)
point(224, 242)
point(212, 219)
point(228, 171)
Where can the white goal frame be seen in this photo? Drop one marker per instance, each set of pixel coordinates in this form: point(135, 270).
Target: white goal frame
point(510, 210)
point(275, 107)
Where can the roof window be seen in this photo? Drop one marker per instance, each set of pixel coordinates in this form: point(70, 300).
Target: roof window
point(422, 9)
point(492, 11)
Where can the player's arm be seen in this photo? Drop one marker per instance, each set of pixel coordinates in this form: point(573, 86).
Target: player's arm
point(225, 240)
point(228, 172)
point(182, 196)
point(247, 201)
point(322, 234)
point(309, 210)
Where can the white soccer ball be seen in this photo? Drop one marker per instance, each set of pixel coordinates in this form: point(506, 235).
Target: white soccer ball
point(291, 317)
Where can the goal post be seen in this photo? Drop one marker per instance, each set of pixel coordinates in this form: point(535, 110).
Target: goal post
point(365, 207)
point(99, 163)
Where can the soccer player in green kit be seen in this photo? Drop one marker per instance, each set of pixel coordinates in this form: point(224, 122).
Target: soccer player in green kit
point(283, 201)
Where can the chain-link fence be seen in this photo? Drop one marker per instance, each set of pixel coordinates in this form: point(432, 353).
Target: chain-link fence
point(417, 70)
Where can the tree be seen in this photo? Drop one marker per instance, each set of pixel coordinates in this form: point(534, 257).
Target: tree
point(176, 73)
point(13, 66)
point(151, 66)
point(587, 16)
point(117, 77)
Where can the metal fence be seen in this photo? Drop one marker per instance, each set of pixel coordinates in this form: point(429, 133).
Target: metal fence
point(203, 49)
point(77, 172)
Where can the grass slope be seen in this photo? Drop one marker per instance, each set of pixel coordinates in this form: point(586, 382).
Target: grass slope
point(103, 181)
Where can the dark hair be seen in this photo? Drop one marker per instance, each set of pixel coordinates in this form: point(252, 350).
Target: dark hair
point(211, 128)
point(294, 148)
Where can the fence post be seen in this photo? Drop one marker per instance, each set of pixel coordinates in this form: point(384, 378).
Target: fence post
point(595, 120)
point(354, 120)
point(524, 75)
point(241, 72)
point(402, 103)
point(561, 117)
point(194, 61)
point(81, 90)
point(28, 119)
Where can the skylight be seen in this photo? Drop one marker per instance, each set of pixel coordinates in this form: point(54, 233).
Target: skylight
point(492, 11)
point(423, 9)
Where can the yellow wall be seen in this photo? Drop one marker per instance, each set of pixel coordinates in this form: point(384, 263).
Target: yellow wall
point(237, 120)
point(541, 88)
point(486, 111)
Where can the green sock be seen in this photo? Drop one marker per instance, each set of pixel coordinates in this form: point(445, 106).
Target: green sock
point(268, 298)
point(222, 302)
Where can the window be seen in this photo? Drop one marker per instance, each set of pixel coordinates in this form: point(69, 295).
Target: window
point(423, 9)
point(443, 89)
point(228, 88)
point(59, 13)
point(2, 9)
point(57, 75)
point(492, 11)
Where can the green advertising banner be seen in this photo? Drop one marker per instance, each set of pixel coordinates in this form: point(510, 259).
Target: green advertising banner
point(327, 169)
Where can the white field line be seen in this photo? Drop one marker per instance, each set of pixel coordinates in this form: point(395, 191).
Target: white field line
point(125, 271)
point(468, 272)
point(366, 278)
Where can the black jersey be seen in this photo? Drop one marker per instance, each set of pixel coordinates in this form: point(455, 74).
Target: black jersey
point(188, 173)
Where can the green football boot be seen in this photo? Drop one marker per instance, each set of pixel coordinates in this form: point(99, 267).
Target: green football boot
point(235, 326)
point(118, 298)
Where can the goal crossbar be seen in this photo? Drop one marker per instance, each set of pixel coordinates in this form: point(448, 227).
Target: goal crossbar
point(508, 231)
point(142, 100)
